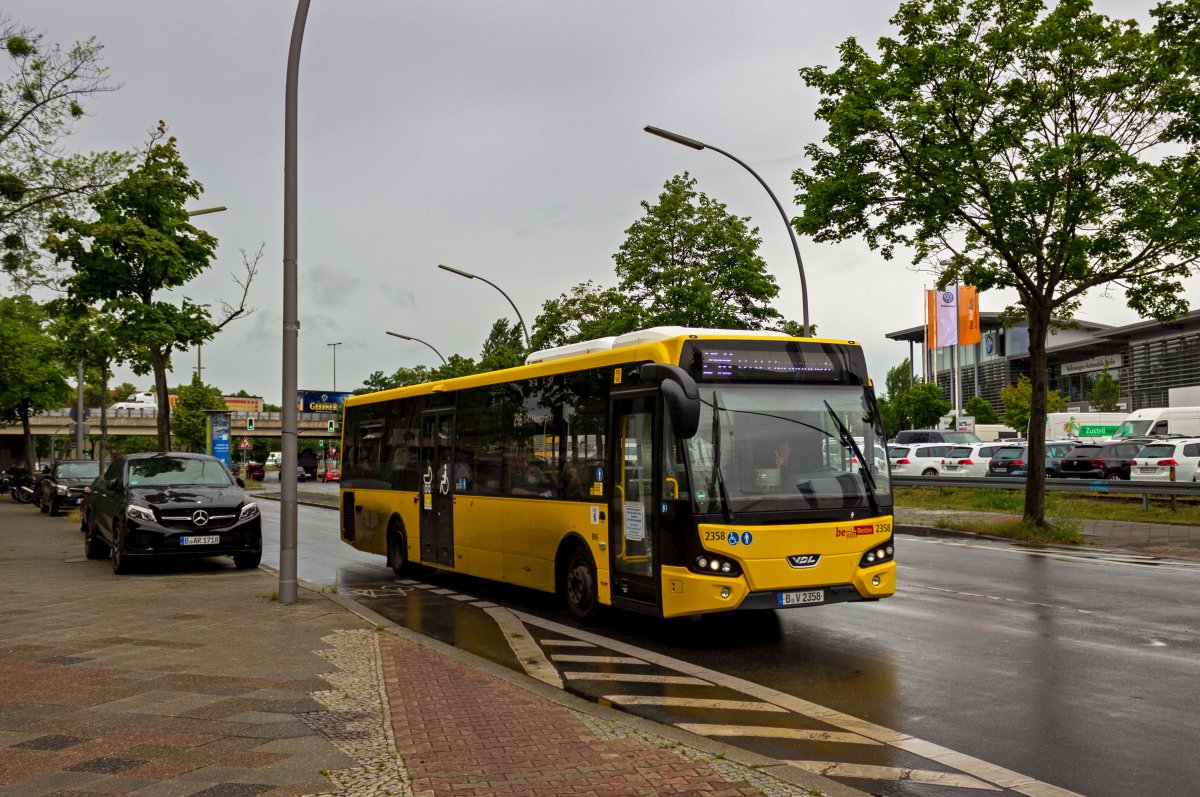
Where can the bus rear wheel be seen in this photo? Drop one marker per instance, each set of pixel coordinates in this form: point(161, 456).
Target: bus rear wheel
point(397, 550)
point(579, 585)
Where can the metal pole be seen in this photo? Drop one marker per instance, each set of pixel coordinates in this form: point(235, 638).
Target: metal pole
point(471, 276)
point(78, 411)
point(334, 347)
point(418, 340)
point(291, 324)
point(694, 144)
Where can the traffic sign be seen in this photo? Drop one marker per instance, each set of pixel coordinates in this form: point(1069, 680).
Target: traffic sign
point(245, 444)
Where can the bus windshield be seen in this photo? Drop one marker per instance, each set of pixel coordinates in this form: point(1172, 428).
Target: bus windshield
point(779, 448)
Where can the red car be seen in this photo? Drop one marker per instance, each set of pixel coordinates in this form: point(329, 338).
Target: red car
point(256, 471)
point(331, 475)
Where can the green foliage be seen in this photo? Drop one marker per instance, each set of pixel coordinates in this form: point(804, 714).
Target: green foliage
point(30, 375)
point(40, 99)
point(189, 423)
point(504, 347)
point(895, 406)
point(925, 405)
point(1018, 400)
point(982, 410)
point(139, 244)
point(1009, 146)
point(892, 418)
point(1106, 393)
point(687, 262)
point(456, 366)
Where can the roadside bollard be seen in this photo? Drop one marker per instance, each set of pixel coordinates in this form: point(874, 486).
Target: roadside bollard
point(1172, 494)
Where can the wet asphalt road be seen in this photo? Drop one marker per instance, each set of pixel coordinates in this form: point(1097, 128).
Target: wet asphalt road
point(1076, 669)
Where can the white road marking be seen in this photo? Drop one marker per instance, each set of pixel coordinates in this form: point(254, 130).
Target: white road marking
point(566, 643)
point(930, 777)
point(997, 598)
point(528, 652)
point(635, 678)
point(850, 724)
point(462, 597)
point(768, 732)
point(442, 591)
point(1119, 558)
point(692, 702)
point(577, 659)
point(484, 604)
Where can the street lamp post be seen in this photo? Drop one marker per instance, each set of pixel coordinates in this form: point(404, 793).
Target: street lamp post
point(200, 346)
point(694, 144)
point(334, 347)
point(418, 340)
point(471, 276)
point(291, 324)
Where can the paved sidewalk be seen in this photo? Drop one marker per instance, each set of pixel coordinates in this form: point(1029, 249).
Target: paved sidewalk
point(191, 680)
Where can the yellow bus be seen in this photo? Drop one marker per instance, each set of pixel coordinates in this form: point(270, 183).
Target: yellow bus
point(669, 471)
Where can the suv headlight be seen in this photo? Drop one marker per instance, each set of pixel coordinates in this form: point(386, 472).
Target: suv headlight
point(135, 512)
point(61, 489)
point(249, 510)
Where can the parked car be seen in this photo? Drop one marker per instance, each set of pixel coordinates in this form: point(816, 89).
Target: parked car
point(331, 475)
point(913, 460)
point(256, 471)
point(1155, 460)
point(62, 486)
point(1107, 460)
point(169, 504)
point(301, 473)
point(910, 436)
point(969, 460)
point(1012, 460)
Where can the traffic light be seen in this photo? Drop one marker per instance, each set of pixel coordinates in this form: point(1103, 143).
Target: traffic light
point(249, 424)
point(333, 426)
point(322, 444)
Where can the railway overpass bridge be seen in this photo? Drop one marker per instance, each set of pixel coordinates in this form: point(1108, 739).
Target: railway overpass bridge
point(313, 425)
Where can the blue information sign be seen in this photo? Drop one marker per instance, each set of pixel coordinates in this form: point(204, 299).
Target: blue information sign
point(218, 435)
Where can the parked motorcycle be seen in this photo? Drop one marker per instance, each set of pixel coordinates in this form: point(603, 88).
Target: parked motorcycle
point(23, 488)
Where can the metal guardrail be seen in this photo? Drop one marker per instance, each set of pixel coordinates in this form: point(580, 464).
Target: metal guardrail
point(1122, 487)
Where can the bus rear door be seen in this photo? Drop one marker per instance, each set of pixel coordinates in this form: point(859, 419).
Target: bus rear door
point(437, 492)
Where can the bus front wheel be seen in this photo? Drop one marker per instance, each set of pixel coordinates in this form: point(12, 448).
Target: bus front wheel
point(579, 584)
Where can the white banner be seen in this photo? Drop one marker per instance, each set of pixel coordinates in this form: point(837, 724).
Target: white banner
point(947, 317)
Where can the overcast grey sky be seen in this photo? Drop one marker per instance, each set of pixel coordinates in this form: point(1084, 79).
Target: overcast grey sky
point(503, 138)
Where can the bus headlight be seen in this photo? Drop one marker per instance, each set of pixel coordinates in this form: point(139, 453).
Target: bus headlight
point(878, 555)
point(714, 565)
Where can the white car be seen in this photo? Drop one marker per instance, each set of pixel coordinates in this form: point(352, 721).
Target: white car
point(1153, 463)
point(923, 459)
point(970, 460)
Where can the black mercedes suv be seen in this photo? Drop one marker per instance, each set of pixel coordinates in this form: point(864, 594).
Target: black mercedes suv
point(169, 504)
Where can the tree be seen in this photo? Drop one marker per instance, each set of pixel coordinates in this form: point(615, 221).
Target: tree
point(190, 425)
point(88, 336)
point(39, 103)
point(504, 347)
point(1106, 393)
point(142, 243)
point(925, 405)
point(686, 262)
point(30, 374)
point(1019, 406)
point(1006, 146)
point(981, 410)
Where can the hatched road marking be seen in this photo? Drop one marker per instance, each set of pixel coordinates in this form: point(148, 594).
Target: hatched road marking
point(767, 732)
point(930, 777)
point(691, 702)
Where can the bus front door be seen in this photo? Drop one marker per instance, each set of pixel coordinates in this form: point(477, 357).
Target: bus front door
point(437, 492)
point(633, 526)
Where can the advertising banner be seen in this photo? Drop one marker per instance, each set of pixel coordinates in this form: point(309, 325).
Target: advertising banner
point(218, 435)
point(320, 401)
point(947, 317)
point(968, 315)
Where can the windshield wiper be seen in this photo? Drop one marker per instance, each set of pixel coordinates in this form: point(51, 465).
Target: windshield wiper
point(717, 475)
point(863, 469)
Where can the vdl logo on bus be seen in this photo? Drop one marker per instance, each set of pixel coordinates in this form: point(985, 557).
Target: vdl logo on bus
point(804, 560)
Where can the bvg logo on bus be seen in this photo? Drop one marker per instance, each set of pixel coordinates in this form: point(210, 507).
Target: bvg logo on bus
point(854, 531)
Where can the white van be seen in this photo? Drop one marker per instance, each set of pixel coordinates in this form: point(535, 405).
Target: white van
point(1161, 420)
point(1075, 425)
point(274, 457)
point(137, 401)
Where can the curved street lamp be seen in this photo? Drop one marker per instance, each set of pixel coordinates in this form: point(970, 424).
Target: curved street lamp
point(694, 144)
point(418, 340)
point(471, 276)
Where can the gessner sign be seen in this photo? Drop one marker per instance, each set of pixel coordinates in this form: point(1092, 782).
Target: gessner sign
point(320, 401)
